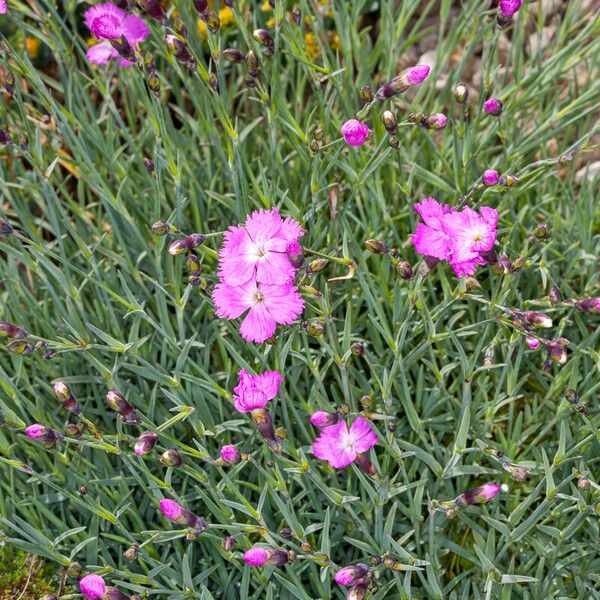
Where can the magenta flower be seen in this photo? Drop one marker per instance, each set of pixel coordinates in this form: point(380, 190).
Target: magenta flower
point(182, 516)
point(355, 133)
point(35, 432)
point(3, 7)
point(255, 391)
point(509, 7)
point(257, 557)
point(478, 495)
point(340, 446)
point(413, 76)
point(493, 106)
point(92, 586)
point(348, 576)
point(322, 418)
point(430, 238)
point(230, 454)
point(267, 305)
point(490, 177)
point(171, 509)
point(258, 250)
point(47, 436)
point(109, 22)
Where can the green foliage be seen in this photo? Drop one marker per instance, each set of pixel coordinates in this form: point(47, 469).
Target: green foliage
point(95, 283)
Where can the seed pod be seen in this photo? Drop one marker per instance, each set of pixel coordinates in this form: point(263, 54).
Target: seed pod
point(234, 55)
point(171, 458)
point(389, 122)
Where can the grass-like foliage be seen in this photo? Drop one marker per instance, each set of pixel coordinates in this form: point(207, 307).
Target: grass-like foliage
point(490, 380)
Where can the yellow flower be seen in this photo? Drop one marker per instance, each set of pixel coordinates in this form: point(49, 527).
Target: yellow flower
point(33, 46)
point(334, 40)
point(311, 44)
point(266, 7)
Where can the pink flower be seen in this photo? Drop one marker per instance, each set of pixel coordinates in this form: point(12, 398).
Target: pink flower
point(340, 446)
point(255, 391)
point(36, 431)
point(490, 177)
point(107, 21)
point(257, 557)
point(480, 494)
point(92, 586)
point(492, 106)
point(258, 250)
point(348, 576)
point(230, 454)
point(171, 509)
point(509, 7)
point(417, 74)
point(355, 133)
point(3, 7)
point(267, 305)
point(413, 76)
point(430, 238)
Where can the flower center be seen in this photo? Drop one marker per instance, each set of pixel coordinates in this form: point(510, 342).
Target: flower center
point(259, 296)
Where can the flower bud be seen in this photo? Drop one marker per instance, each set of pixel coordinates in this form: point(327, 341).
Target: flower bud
point(5, 137)
point(509, 181)
point(532, 343)
point(145, 442)
point(171, 458)
point(258, 557)
point(376, 247)
point(541, 232)
point(322, 418)
point(192, 263)
point(296, 14)
point(74, 569)
point(119, 404)
point(182, 516)
point(478, 495)
point(234, 55)
point(358, 592)
point(537, 319)
point(92, 586)
point(317, 265)
point(161, 228)
point(201, 6)
point(413, 76)
point(306, 548)
point(186, 244)
point(9, 330)
point(20, 346)
point(517, 472)
point(389, 122)
point(154, 84)
point(263, 37)
point(557, 350)
point(178, 48)
point(112, 593)
point(65, 396)
point(213, 23)
point(365, 95)
point(435, 121)
point(228, 543)
point(315, 329)
point(490, 177)
point(591, 306)
point(404, 270)
point(153, 9)
point(583, 484)
point(493, 107)
point(75, 430)
point(295, 253)
point(230, 454)
point(252, 63)
point(506, 10)
point(348, 576)
point(47, 436)
point(461, 93)
point(132, 552)
point(5, 228)
point(357, 349)
point(554, 294)
point(366, 401)
point(286, 533)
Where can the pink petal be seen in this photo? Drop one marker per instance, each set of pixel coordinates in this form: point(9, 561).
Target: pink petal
point(98, 10)
point(431, 242)
point(466, 268)
point(327, 446)
point(290, 230)
point(238, 257)
point(232, 301)
point(362, 431)
point(262, 225)
point(269, 383)
point(275, 268)
point(3, 7)
point(431, 211)
point(258, 325)
point(283, 302)
point(134, 29)
point(101, 54)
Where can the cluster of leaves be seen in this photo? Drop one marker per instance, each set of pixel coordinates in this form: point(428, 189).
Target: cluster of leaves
point(86, 275)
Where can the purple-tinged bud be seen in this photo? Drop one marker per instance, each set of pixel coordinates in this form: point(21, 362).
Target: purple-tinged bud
point(263, 37)
point(532, 343)
point(461, 93)
point(201, 6)
point(322, 418)
point(63, 393)
point(295, 253)
point(5, 137)
point(541, 232)
point(186, 244)
point(348, 576)
point(182, 516)
point(478, 495)
point(161, 228)
point(228, 543)
point(296, 14)
point(493, 107)
point(92, 586)
point(119, 404)
point(508, 8)
point(571, 396)
point(20, 346)
point(377, 247)
point(154, 84)
point(234, 55)
point(145, 442)
point(509, 181)
point(252, 64)
point(363, 462)
point(112, 593)
point(124, 48)
point(257, 557)
point(9, 330)
point(314, 328)
point(490, 177)
point(590, 306)
point(171, 458)
point(317, 265)
point(5, 228)
point(149, 164)
point(359, 591)
point(213, 23)
point(365, 95)
point(357, 348)
point(537, 319)
point(230, 454)
point(153, 9)
point(517, 472)
point(435, 121)
point(502, 266)
point(405, 270)
point(132, 552)
point(413, 76)
point(557, 350)
point(178, 48)
point(389, 122)
point(74, 569)
point(192, 263)
point(488, 357)
point(554, 294)
point(75, 430)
